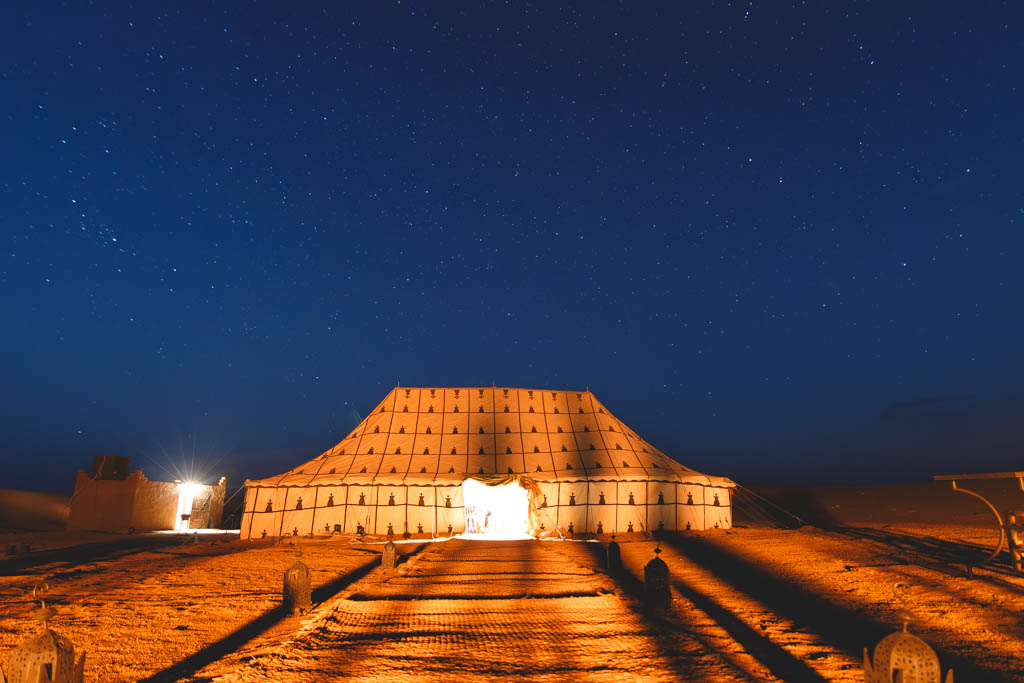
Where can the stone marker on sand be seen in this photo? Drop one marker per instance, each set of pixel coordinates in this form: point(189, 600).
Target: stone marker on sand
point(297, 591)
point(390, 556)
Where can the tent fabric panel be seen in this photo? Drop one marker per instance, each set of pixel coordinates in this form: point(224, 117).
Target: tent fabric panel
point(689, 517)
point(455, 421)
point(507, 397)
point(720, 516)
point(420, 496)
point(530, 421)
point(530, 398)
point(456, 398)
point(421, 516)
point(478, 441)
point(548, 495)
point(362, 496)
point(397, 462)
point(449, 497)
point(632, 474)
point(661, 517)
point(249, 504)
point(503, 442)
point(503, 421)
point(481, 398)
point(569, 461)
point(422, 466)
point(478, 462)
point(575, 516)
point(360, 515)
point(505, 463)
point(407, 402)
point(366, 463)
point(454, 517)
point(661, 494)
point(576, 400)
point(481, 420)
point(295, 479)
point(400, 442)
point(636, 489)
point(265, 524)
point(714, 497)
point(391, 496)
point(404, 421)
point(328, 496)
point(630, 519)
point(297, 522)
point(600, 519)
point(536, 441)
point(597, 459)
point(372, 443)
point(554, 422)
point(430, 421)
point(427, 442)
point(583, 422)
point(690, 494)
point(376, 421)
point(271, 496)
point(456, 441)
point(533, 461)
point(298, 497)
point(390, 521)
point(451, 464)
point(602, 492)
point(572, 494)
point(325, 519)
point(555, 402)
point(339, 463)
point(547, 518)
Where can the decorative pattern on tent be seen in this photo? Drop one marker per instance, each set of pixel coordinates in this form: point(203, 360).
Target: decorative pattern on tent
point(402, 467)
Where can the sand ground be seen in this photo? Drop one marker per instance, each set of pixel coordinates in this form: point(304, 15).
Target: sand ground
point(751, 604)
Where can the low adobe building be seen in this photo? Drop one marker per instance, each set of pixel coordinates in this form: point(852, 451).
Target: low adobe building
point(112, 499)
point(413, 466)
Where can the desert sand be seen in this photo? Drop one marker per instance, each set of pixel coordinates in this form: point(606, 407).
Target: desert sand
point(755, 603)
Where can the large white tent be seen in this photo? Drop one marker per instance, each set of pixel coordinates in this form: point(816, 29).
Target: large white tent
point(402, 470)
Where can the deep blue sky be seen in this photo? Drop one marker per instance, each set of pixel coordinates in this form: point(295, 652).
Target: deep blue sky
point(779, 242)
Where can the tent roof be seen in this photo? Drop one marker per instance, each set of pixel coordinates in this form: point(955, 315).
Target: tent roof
point(439, 436)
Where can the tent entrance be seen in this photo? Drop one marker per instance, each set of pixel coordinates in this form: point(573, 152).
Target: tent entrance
point(496, 511)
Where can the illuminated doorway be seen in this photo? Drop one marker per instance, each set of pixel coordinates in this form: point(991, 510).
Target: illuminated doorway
point(186, 495)
point(496, 511)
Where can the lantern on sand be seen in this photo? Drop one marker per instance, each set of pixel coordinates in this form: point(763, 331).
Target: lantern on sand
point(47, 658)
point(902, 657)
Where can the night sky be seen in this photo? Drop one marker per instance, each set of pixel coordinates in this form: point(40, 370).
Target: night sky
point(782, 243)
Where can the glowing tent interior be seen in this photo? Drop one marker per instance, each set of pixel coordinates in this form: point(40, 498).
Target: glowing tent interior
point(403, 468)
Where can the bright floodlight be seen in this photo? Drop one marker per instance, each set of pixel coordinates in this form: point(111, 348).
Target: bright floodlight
point(186, 494)
point(496, 512)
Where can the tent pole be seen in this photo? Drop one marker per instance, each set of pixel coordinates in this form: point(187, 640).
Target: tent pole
point(344, 511)
point(312, 521)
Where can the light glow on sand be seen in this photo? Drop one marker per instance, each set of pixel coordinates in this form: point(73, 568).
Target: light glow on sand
point(496, 512)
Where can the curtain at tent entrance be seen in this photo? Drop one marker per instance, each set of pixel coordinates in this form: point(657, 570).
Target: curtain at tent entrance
point(524, 482)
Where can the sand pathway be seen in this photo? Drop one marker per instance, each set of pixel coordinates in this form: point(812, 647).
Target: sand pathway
point(477, 610)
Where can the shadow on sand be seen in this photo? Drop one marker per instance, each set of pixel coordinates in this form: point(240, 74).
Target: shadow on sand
point(236, 639)
point(780, 662)
point(845, 630)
